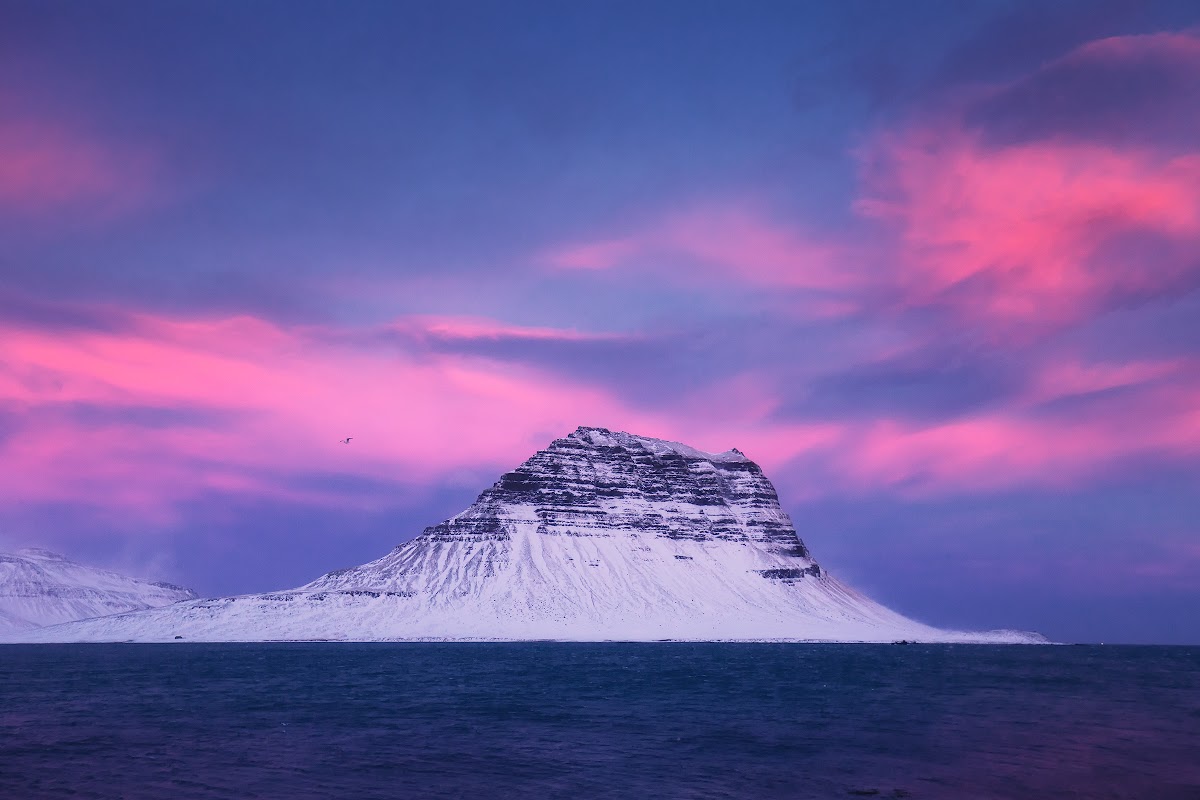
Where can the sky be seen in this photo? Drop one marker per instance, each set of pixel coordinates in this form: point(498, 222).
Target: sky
point(934, 265)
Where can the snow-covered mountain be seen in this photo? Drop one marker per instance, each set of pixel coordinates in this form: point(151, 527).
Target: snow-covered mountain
point(600, 536)
point(39, 588)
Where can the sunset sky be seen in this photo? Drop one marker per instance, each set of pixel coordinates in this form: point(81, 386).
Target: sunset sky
point(934, 265)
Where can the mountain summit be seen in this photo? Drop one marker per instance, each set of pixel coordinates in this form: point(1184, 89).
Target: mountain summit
point(602, 535)
point(595, 523)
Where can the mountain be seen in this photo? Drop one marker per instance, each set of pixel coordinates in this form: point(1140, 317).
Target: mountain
point(600, 536)
point(39, 588)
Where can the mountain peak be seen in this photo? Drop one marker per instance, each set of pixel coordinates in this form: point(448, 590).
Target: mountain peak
point(601, 535)
point(41, 553)
point(603, 437)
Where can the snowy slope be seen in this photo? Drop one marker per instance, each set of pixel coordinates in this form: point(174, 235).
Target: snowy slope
point(601, 536)
point(40, 588)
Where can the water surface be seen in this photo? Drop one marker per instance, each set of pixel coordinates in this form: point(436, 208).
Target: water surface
point(666, 720)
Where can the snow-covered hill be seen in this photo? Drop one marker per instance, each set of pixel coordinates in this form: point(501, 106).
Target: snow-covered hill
point(601, 536)
point(39, 588)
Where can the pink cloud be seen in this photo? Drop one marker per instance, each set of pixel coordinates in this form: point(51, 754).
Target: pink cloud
point(47, 168)
point(262, 406)
point(461, 328)
point(722, 242)
point(269, 403)
point(1071, 378)
point(1017, 238)
point(1014, 447)
point(1023, 233)
point(1179, 47)
point(598, 255)
point(1032, 233)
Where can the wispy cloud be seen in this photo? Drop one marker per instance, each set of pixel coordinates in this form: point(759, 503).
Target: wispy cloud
point(270, 403)
point(1004, 450)
point(1030, 234)
point(468, 329)
point(719, 242)
point(1020, 213)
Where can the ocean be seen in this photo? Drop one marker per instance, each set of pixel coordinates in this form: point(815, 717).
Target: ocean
point(612, 720)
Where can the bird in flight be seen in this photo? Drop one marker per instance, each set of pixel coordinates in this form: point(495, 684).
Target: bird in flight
point(346, 440)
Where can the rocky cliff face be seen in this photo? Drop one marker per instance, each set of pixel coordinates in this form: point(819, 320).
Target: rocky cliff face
point(39, 588)
point(602, 535)
point(596, 483)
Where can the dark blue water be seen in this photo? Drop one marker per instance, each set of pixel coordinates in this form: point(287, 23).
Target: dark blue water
point(598, 720)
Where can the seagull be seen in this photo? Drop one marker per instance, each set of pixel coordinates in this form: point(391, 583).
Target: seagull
point(346, 440)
